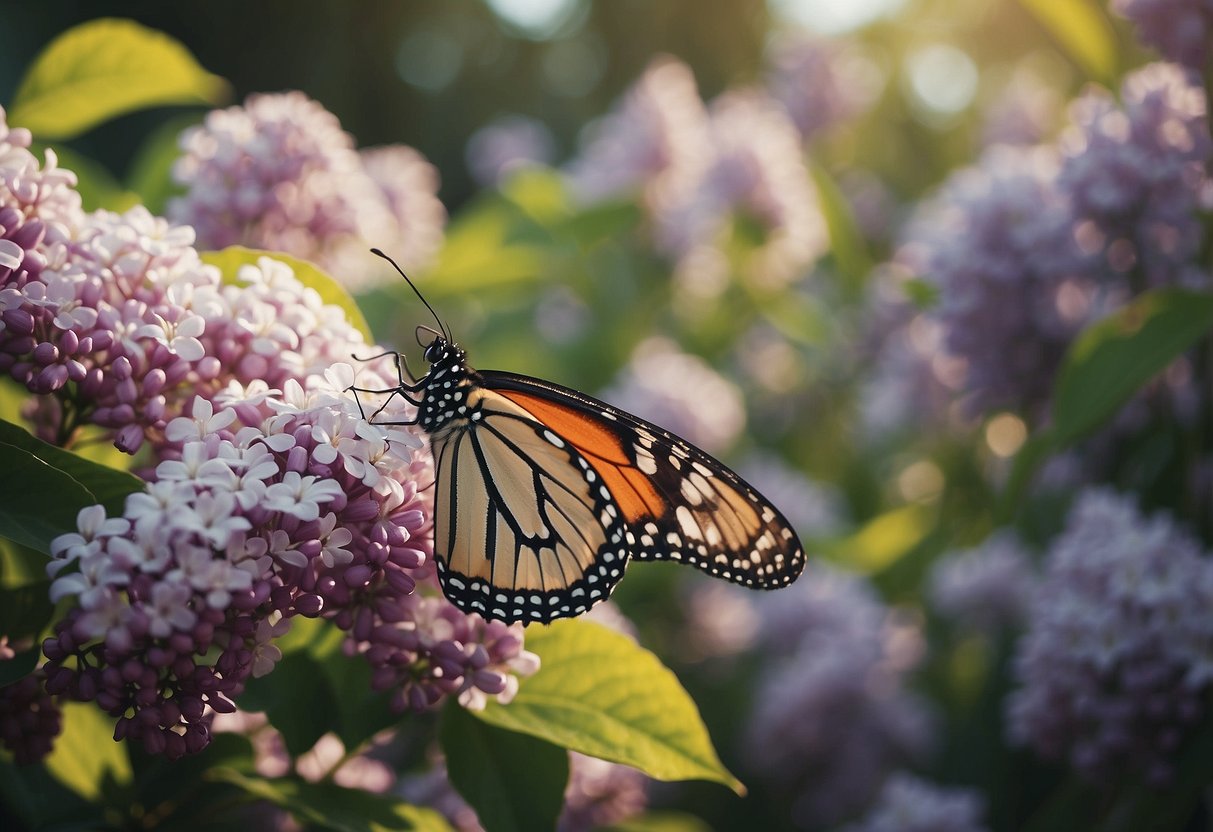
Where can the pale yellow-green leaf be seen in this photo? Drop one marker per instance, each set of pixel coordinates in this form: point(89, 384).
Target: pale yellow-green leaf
point(600, 693)
point(230, 259)
point(105, 68)
point(85, 754)
point(1083, 31)
point(884, 539)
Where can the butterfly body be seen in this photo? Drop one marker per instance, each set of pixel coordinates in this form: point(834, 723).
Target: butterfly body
point(543, 495)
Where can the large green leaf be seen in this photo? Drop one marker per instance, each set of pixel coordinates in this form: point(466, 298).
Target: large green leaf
point(44, 487)
point(102, 69)
point(515, 782)
point(1082, 30)
point(297, 699)
point(600, 693)
point(328, 806)
point(230, 259)
point(86, 758)
point(1114, 357)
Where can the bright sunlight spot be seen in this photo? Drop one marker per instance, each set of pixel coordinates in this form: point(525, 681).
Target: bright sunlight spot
point(1005, 434)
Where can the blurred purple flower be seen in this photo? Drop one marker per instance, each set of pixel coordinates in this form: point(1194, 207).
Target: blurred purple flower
point(820, 83)
point(1116, 664)
point(831, 718)
point(814, 509)
point(682, 393)
point(279, 173)
point(30, 719)
point(985, 588)
point(1179, 29)
point(1014, 289)
point(507, 144)
point(908, 804)
point(1135, 173)
point(1026, 111)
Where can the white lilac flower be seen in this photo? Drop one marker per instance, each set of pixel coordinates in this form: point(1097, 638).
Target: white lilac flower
point(831, 718)
point(985, 588)
point(1117, 662)
point(908, 804)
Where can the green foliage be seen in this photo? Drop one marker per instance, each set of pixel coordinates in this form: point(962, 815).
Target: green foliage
point(1081, 28)
point(103, 69)
point(86, 759)
point(515, 782)
point(600, 693)
point(44, 487)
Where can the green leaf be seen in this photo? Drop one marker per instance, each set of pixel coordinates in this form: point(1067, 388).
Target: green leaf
point(44, 487)
point(85, 758)
point(1114, 357)
point(884, 539)
point(1082, 31)
point(600, 693)
point(846, 242)
point(230, 259)
point(515, 782)
point(491, 243)
point(329, 806)
point(297, 699)
point(105, 68)
point(151, 171)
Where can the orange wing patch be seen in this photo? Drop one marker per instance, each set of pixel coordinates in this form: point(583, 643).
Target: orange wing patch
point(633, 492)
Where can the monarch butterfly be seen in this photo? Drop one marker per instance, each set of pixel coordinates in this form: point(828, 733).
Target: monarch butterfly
point(544, 494)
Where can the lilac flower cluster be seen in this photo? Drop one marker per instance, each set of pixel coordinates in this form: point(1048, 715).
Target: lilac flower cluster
point(819, 83)
point(1116, 663)
point(279, 173)
point(908, 804)
point(985, 588)
point(832, 719)
point(507, 144)
point(1179, 29)
point(1135, 174)
point(30, 718)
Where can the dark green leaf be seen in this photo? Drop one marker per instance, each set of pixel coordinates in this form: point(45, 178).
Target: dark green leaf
point(150, 173)
point(297, 698)
point(331, 292)
point(1114, 357)
point(328, 806)
point(600, 693)
point(25, 613)
point(515, 782)
point(102, 69)
point(44, 487)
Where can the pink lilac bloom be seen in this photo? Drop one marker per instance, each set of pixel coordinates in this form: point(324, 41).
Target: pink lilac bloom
point(756, 172)
point(1179, 29)
point(832, 718)
point(508, 144)
point(909, 804)
point(1135, 173)
point(1116, 665)
point(997, 241)
point(279, 173)
point(674, 389)
point(985, 588)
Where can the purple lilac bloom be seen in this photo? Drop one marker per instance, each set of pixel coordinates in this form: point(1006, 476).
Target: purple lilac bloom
point(820, 83)
point(1014, 288)
point(1179, 29)
point(670, 388)
point(756, 171)
point(279, 173)
point(985, 588)
point(30, 719)
point(813, 508)
point(1116, 663)
point(908, 804)
point(508, 144)
point(1135, 173)
point(1026, 111)
point(832, 718)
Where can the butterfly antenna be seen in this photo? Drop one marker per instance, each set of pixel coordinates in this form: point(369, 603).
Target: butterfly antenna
point(441, 326)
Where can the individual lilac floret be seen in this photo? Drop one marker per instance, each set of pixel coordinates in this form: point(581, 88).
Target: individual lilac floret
point(908, 804)
point(505, 145)
point(1116, 663)
point(756, 173)
point(1179, 29)
point(832, 718)
point(1013, 287)
point(985, 588)
point(819, 83)
point(655, 140)
point(1136, 172)
point(668, 387)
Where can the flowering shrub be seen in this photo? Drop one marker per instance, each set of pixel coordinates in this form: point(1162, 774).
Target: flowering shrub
point(963, 346)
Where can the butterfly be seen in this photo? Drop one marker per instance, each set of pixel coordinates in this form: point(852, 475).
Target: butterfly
point(543, 495)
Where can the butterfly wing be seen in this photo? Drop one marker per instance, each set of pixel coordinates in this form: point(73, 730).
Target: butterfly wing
point(675, 501)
